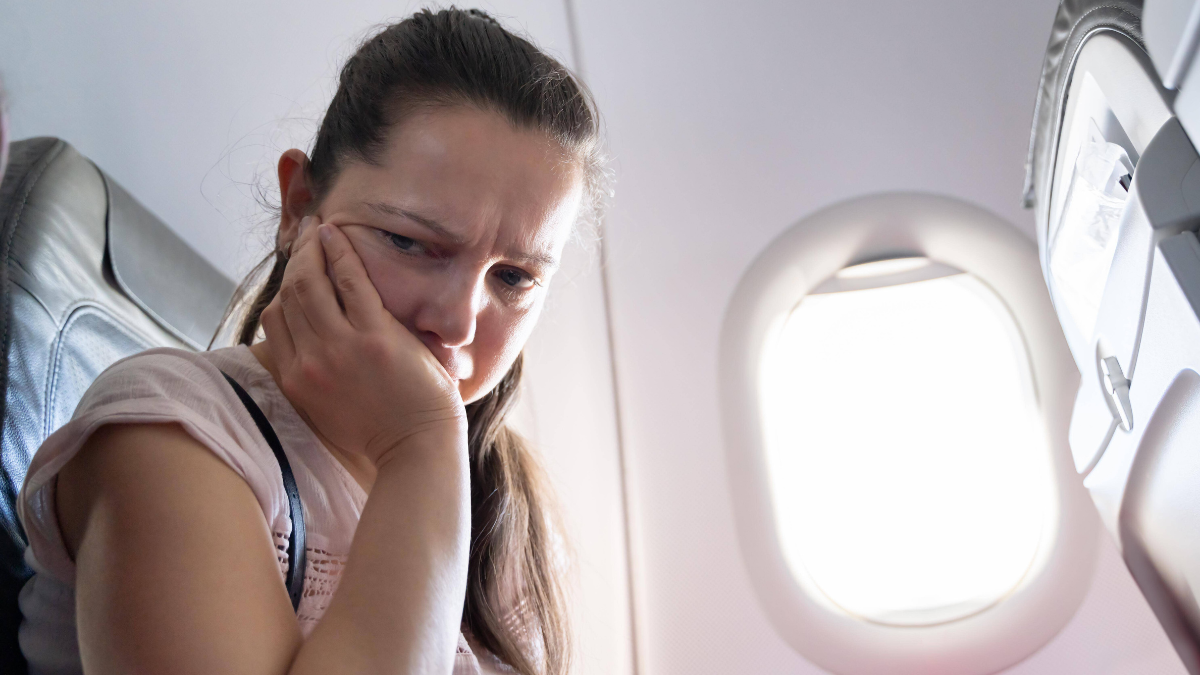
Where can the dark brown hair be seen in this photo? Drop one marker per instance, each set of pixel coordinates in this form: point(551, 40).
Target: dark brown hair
point(514, 605)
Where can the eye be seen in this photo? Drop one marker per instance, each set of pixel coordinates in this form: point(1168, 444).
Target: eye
point(516, 279)
point(406, 244)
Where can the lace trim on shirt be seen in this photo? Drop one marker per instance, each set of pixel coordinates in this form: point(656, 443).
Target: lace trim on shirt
point(281, 556)
point(324, 570)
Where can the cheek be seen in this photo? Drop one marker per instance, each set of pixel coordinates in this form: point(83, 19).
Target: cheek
point(398, 286)
point(499, 339)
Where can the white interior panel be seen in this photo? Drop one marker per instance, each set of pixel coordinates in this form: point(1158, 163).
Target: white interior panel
point(730, 122)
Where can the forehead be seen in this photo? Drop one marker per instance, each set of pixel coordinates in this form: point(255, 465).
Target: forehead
point(475, 173)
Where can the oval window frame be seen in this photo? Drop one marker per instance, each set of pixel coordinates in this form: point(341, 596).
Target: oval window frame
point(969, 238)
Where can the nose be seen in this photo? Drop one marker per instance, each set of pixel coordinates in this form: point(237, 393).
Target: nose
point(447, 319)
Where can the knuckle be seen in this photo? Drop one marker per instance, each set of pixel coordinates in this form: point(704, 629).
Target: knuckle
point(376, 348)
point(346, 284)
point(287, 296)
point(301, 286)
point(312, 371)
point(334, 252)
point(288, 384)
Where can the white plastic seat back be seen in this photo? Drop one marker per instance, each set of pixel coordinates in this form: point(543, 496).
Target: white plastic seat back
point(1115, 181)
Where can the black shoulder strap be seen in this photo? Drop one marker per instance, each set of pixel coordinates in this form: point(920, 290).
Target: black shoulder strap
point(295, 574)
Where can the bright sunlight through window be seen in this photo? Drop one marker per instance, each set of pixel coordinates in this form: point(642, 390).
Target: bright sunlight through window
point(908, 469)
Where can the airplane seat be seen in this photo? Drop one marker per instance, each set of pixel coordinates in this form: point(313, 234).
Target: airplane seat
point(1114, 178)
point(89, 277)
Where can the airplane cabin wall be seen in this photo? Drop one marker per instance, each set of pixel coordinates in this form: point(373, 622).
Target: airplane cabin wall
point(731, 121)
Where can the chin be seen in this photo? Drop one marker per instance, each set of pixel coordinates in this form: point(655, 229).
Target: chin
point(471, 393)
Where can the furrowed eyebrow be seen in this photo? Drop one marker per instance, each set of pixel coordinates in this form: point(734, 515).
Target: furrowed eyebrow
point(546, 262)
point(429, 223)
point(543, 260)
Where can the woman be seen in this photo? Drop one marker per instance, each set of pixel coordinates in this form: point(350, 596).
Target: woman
point(414, 251)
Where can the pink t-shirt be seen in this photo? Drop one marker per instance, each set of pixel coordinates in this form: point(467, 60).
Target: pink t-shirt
point(169, 385)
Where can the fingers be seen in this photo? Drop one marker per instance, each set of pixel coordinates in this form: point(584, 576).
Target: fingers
point(358, 294)
point(306, 234)
point(306, 287)
point(299, 328)
point(279, 339)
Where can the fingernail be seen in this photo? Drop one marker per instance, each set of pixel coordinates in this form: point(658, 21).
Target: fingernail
point(324, 231)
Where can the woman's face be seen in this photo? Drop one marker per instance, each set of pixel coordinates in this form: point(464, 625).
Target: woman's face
point(460, 227)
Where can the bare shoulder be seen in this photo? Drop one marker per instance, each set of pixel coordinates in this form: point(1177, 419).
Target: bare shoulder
point(175, 565)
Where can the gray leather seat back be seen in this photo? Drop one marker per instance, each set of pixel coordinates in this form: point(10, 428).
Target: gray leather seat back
point(89, 277)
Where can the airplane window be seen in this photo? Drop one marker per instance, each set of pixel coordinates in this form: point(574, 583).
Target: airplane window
point(906, 461)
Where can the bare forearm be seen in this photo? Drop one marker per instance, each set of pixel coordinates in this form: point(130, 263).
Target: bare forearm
point(399, 602)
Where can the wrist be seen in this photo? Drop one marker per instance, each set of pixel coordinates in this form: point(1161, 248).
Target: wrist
point(444, 441)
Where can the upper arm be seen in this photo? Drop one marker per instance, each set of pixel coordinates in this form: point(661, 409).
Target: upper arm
point(176, 569)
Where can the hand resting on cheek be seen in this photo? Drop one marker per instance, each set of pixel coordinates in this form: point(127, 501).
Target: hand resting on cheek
point(364, 383)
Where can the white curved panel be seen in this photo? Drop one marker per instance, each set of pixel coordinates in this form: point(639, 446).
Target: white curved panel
point(967, 238)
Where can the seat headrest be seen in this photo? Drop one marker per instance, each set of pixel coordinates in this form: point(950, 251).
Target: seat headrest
point(164, 276)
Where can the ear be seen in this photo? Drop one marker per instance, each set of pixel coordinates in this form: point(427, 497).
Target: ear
point(295, 193)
